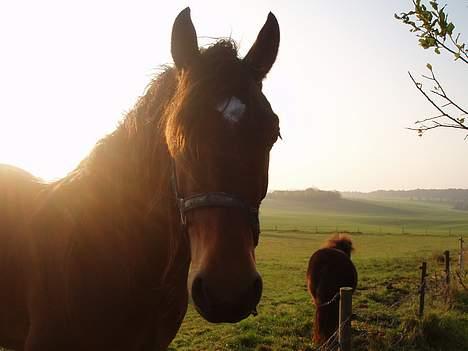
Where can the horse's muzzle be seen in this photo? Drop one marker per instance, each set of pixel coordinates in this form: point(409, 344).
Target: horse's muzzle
point(217, 310)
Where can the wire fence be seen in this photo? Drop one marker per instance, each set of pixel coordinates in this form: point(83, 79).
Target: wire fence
point(333, 342)
point(361, 229)
point(445, 276)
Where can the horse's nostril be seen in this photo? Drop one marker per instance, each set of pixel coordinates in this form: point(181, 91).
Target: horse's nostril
point(199, 293)
point(257, 287)
point(215, 306)
point(197, 287)
point(197, 283)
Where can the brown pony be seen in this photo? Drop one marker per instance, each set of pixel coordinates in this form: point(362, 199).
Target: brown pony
point(99, 260)
point(330, 268)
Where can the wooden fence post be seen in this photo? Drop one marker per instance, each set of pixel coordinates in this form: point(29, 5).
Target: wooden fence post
point(346, 309)
point(461, 258)
point(422, 288)
point(447, 267)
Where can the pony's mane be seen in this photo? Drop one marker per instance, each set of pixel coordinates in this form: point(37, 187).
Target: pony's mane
point(340, 241)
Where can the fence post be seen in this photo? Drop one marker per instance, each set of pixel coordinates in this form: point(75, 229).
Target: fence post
point(447, 267)
point(344, 330)
point(422, 288)
point(461, 258)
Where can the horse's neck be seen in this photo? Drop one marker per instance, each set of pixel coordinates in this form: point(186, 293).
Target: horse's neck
point(121, 197)
point(121, 194)
point(128, 171)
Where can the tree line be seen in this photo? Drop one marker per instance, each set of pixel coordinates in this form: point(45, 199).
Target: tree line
point(457, 197)
point(310, 194)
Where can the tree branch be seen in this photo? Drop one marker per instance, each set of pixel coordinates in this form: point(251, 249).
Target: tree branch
point(457, 123)
point(444, 95)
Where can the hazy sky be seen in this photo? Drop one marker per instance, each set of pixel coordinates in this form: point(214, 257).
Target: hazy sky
point(70, 69)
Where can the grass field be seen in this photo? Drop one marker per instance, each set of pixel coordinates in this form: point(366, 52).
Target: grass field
point(365, 216)
point(385, 303)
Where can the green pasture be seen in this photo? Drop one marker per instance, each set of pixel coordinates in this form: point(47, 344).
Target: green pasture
point(386, 301)
point(364, 216)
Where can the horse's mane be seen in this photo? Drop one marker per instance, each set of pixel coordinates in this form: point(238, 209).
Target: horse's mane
point(126, 177)
point(340, 241)
point(163, 107)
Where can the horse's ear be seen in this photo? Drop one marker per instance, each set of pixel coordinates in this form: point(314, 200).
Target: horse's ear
point(184, 45)
point(262, 54)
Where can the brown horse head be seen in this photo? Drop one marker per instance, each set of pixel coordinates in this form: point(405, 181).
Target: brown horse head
point(99, 260)
point(219, 130)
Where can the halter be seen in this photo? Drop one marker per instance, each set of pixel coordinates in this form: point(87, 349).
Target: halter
point(213, 199)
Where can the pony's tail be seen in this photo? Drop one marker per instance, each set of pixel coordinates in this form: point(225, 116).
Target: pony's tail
point(326, 322)
point(340, 241)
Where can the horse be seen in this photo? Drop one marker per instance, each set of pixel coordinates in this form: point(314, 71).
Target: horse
point(329, 269)
point(164, 206)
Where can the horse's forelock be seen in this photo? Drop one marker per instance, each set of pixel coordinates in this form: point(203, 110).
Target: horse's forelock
point(195, 85)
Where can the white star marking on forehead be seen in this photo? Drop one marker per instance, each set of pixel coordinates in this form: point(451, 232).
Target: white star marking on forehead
point(232, 109)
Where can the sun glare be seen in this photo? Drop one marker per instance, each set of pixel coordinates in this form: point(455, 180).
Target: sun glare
point(70, 71)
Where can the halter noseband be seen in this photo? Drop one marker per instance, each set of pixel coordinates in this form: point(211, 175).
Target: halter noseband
point(213, 199)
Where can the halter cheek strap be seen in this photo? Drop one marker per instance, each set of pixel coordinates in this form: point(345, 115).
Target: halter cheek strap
point(213, 199)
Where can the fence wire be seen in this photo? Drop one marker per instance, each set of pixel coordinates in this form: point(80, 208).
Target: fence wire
point(333, 342)
point(434, 284)
point(333, 299)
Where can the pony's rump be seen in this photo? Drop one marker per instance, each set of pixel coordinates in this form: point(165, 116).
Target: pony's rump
point(329, 269)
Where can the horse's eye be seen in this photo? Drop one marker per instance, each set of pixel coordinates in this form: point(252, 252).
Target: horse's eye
point(232, 109)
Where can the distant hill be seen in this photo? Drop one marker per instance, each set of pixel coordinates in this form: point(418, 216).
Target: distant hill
point(456, 197)
point(327, 211)
point(327, 201)
point(310, 194)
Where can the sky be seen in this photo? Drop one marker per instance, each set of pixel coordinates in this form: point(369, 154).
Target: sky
point(70, 70)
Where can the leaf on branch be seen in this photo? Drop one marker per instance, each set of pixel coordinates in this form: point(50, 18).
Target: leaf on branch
point(450, 28)
point(429, 66)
